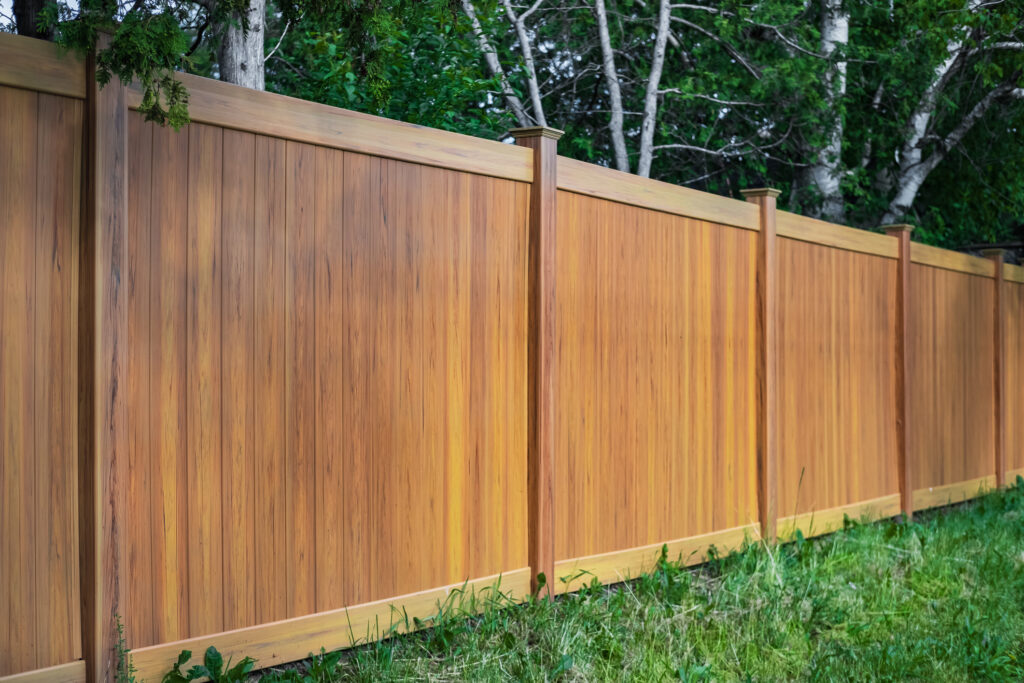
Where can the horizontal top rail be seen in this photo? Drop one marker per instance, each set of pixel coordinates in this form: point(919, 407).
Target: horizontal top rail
point(927, 255)
point(265, 113)
point(1013, 273)
point(626, 188)
point(797, 227)
point(40, 65)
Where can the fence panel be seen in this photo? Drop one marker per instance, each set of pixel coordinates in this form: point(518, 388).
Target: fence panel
point(837, 432)
point(327, 365)
point(1013, 345)
point(656, 386)
point(951, 365)
point(40, 176)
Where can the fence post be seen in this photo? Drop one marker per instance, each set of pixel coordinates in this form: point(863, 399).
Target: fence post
point(767, 359)
point(541, 356)
point(102, 320)
point(902, 233)
point(997, 256)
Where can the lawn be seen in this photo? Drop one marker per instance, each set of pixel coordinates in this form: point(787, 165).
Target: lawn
point(939, 599)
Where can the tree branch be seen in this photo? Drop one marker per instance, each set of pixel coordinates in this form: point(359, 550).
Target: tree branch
point(494, 64)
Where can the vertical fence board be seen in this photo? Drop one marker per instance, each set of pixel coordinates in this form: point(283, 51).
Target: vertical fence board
point(169, 327)
point(300, 343)
point(204, 494)
point(237, 376)
point(1013, 332)
point(270, 462)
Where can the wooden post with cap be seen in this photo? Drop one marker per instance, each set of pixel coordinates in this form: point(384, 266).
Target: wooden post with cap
point(767, 386)
point(997, 256)
point(541, 355)
point(902, 233)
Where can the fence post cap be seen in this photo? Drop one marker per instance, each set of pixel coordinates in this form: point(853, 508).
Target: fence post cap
point(536, 132)
point(897, 228)
point(760, 192)
point(993, 252)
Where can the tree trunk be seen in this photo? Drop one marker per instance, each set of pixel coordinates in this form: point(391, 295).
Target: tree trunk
point(651, 96)
point(26, 14)
point(241, 52)
point(826, 171)
point(611, 77)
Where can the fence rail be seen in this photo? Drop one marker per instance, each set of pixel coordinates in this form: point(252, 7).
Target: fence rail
point(269, 381)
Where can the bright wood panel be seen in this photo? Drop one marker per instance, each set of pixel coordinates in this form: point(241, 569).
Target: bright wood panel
point(285, 641)
point(622, 565)
point(937, 496)
point(328, 372)
point(820, 522)
point(928, 255)
point(72, 672)
point(1013, 368)
point(805, 229)
point(951, 410)
point(656, 395)
point(40, 173)
point(224, 104)
point(1013, 273)
point(41, 66)
point(837, 433)
point(606, 183)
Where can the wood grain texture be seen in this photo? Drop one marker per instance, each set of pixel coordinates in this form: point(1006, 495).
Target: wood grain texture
point(72, 672)
point(820, 522)
point(950, 363)
point(292, 639)
point(598, 181)
point(998, 363)
point(947, 494)
point(1013, 377)
point(837, 436)
point(230, 106)
point(901, 373)
point(622, 565)
point(335, 350)
point(648, 304)
point(1013, 273)
point(41, 66)
point(805, 229)
point(542, 356)
point(928, 255)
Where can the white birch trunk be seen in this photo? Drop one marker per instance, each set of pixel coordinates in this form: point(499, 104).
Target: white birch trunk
point(650, 119)
point(611, 78)
point(519, 23)
point(494, 64)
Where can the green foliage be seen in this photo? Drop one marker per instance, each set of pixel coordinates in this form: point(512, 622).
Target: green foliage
point(212, 668)
point(125, 666)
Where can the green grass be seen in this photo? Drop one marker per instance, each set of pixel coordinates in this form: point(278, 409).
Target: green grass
point(940, 599)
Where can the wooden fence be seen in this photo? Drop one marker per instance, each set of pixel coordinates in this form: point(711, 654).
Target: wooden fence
point(273, 379)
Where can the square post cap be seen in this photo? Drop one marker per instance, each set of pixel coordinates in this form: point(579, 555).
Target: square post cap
point(993, 253)
point(536, 132)
point(897, 228)
point(755, 192)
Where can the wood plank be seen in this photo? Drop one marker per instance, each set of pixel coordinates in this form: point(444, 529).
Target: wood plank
point(285, 641)
point(103, 321)
point(300, 378)
point(622, 565)
point(72, 672)
point(542, 359)
point(231, 106)
point(40, 65)
point(136, 559)
point(598, 181)
point(998, 364)
point(805, 229)
point(270, 455)
point(18, 502)
point(331, 439)
point(928, 255)
point(1013, 341)
point(767, 361)
point(237, 377)
point(205, 468)
point(936, 496)
point(169, 211)
point(1013, 273)
point(820, 522)
point(901, 373)
point(58, 211)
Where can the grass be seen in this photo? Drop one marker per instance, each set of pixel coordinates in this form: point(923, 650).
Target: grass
point(939, 599)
